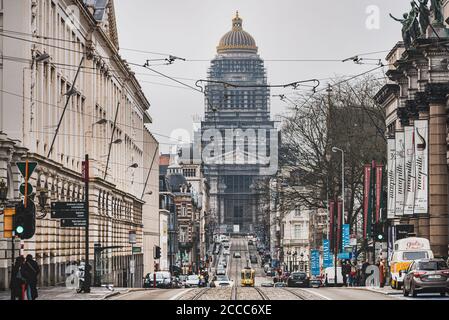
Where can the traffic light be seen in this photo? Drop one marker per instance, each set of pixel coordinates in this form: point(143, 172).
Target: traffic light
point(379, 232)
point(8, 222)
point(24, 222)
point(157, 252)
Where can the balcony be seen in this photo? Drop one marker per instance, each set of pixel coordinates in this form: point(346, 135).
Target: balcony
point(295, 242)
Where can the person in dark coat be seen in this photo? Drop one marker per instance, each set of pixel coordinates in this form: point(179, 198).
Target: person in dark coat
point(30, 271)
point(17, 282)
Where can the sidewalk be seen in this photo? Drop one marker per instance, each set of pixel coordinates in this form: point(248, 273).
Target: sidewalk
point(62, 293)
point(387, 290)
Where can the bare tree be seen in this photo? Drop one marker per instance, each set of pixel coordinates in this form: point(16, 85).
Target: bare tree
point(347, 118)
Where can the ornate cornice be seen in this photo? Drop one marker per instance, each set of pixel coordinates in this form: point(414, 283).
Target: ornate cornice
point(386, 92)
point(437, 92)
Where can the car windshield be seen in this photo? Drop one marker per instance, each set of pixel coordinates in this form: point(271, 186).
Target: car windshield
point(299, 275)
point(432, 265)
point(222, 278)
point(193, 277)
point(415, 255)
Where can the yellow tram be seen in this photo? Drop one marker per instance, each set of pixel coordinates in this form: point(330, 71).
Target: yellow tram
point(248, 277)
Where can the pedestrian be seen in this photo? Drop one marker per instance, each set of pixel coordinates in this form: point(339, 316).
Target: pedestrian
point(18, 282)
point(30, 271)
point(364, 276)
point(382, 273)
point(346, 270)
point(353, 276)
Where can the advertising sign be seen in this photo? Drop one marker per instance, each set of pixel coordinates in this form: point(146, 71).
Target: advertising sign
point(410, 168)
point(315, 262)
point(400, 174)
point(346, 237)
point(391, 201)
point(422, 166)
point(327, 260)
point(379, 195)
point(366, 199)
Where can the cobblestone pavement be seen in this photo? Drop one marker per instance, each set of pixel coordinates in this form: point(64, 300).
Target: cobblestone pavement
point(208, 294)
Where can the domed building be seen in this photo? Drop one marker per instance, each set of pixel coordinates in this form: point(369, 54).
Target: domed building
point(236, 111)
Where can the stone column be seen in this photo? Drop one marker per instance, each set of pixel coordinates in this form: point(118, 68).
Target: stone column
point(423, 109)
point(438, 175)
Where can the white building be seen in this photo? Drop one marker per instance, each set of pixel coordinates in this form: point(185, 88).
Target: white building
point(42, 45)
point(296, 239)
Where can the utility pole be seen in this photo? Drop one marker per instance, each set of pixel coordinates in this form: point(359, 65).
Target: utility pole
point(87, 275)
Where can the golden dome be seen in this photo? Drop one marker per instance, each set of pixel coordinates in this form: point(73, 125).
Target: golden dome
point(237, 39)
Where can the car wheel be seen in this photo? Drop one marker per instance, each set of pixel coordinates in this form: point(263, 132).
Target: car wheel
point(413, 291)
point(406, 293)
point(398, 286)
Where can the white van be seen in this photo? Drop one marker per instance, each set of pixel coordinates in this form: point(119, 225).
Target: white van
point(329, 276)
point(405, 252)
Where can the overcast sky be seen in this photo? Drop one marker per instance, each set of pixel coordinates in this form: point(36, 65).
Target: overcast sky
point(283, 29)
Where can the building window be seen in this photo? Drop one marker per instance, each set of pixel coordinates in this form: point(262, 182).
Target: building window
point(183, 210)
point(297, 231)
point(183, 235)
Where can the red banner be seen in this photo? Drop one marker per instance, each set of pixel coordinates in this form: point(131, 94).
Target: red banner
point(366, 198)
point(85, 173)
point(339, 224)
point(379, 178)
point(331, 224)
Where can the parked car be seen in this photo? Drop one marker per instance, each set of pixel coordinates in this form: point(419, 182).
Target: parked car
point(222, 281)
point(220, 271)
point(270, 272)
point(237, 255)
point(192, 281)
point(182, 279)
point(315, 282)
point(280, 285)
point(226, 252)
point(267, 284)
point(163, 280)
point(298, 279)
point(253, 259)
point(426, 276)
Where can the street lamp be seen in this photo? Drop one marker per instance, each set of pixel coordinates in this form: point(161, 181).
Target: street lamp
point(335, 150)
point(42, 198)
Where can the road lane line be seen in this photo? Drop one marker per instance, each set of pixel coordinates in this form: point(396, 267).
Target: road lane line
point(316, 293)
point(176, 297)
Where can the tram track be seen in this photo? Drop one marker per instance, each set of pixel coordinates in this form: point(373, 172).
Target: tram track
point(200, 294)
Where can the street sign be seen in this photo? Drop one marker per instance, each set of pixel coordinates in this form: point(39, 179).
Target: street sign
point(73, 223)
point(22, 168)
point(68, 210)
point(315, 262)
point(29, 190)
point(236, 228)
point(327, 260)
point(137, 249)
point(344, 256)
point(345, 236)
point(132, 237)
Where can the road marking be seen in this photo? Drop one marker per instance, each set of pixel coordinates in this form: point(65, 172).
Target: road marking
point(175, 297)
point(317, 294)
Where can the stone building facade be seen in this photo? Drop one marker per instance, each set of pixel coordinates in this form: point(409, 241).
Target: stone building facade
point(41, 54)
point(237, 123)
point(418, 90)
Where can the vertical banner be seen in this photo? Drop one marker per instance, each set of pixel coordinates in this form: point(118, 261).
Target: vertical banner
point(379, 191)
point(410, 170)
point(391, 201)
point(327, 261)
point(339, 225)
point(346, 237)
point(315, 262)
point(422, 166)
point(332, 224)
point(366, 198)
point(400, 174)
